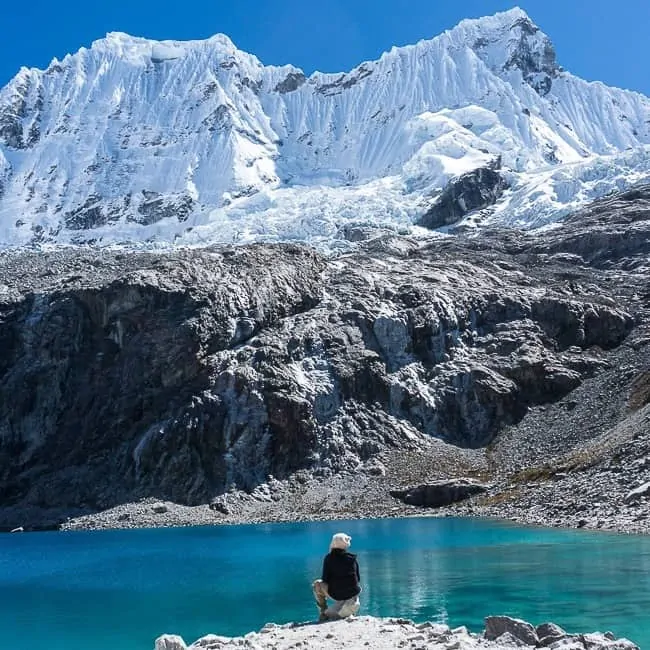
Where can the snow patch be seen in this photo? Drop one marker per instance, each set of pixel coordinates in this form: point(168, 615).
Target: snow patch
point(162, 52)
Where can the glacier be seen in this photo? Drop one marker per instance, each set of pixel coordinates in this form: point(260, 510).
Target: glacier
point(158, 143)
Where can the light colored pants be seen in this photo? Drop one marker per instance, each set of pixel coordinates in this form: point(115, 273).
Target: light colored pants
point(339, 608)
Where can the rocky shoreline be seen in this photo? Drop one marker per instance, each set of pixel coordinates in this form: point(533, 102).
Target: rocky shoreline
point(500, 633)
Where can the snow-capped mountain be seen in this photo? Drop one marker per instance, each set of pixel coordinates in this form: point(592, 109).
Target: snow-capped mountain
point(136, 140)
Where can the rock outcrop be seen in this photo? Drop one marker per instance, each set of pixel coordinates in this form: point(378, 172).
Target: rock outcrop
point(472, 191)
point(501, 633)
point(535, 57)
point(441, 493)
point(524, 632)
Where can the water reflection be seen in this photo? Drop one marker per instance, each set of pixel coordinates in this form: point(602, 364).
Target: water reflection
point(579, 581)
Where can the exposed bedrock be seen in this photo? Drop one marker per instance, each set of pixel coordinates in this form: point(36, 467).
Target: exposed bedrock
point(440, 493)
point(472, 191)
point(183, 374)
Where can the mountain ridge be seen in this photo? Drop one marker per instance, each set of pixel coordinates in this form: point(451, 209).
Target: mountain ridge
point(134, 140)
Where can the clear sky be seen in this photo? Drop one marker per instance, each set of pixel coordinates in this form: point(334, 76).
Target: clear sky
point(608, 40)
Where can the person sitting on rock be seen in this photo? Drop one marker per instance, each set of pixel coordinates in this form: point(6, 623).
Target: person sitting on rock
point(340, 581)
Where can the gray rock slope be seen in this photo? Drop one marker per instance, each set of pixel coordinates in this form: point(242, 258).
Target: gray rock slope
point(183, 375)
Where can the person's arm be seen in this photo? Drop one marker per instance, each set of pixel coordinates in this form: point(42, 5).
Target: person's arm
point(325, 576)
point(356, 568)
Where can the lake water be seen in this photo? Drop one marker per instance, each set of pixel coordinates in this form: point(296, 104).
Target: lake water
point(121, 589)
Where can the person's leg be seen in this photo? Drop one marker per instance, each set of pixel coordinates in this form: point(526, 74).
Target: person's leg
point(320, 594)
point(333, 611)
point(349, 607)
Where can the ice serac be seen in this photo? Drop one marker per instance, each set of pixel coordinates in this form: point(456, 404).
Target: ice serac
point(133, 140)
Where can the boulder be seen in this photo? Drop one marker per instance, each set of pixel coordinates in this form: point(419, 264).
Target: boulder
point(546, 629)
point(170, 642)
point(549, 633)
point(640, 391)
point(599, 641)
point(496, 626)
point(218, 504)
point(638, 493)
point(441, 493)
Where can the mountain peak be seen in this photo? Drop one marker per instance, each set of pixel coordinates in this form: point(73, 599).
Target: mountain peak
point(138, 48)
point(499, 25)
point(510, 41)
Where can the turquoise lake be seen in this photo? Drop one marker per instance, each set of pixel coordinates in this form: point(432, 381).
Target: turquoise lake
point(122, 589)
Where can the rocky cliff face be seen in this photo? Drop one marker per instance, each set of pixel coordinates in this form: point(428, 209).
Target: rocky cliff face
point(182, 375)
point(105, 365)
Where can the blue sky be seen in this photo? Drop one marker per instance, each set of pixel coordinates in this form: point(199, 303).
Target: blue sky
point(595, 39)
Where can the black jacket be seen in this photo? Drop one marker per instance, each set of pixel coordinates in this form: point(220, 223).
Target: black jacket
point(341, 573)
